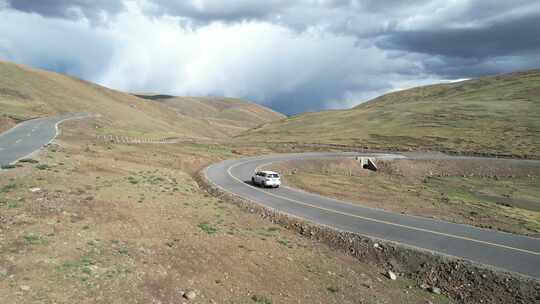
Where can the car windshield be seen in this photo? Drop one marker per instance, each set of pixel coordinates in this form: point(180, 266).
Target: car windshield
point(273, 175)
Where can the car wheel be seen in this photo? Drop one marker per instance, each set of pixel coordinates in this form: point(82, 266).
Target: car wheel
point(253, 180)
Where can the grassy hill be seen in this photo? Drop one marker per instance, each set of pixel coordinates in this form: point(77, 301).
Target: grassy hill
point(490, 115)
point(27, 93)
point(218, 116)
point(128, 223)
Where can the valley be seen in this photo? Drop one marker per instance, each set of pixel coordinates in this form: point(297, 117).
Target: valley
point(114, 208)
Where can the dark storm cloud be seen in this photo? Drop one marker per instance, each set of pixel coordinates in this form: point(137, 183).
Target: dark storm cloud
point(215, 10)
point(316, 95)
point(378, 6)
point(70, 9)
point(473, 51)
point(504, 38)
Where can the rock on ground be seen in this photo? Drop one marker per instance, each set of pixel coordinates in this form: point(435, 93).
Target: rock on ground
point(190, 295)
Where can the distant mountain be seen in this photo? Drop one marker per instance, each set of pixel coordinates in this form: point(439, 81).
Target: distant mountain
point(223, 116)
point(490, 115)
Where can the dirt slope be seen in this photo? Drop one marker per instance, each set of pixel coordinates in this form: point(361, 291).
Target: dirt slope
point(492, 115)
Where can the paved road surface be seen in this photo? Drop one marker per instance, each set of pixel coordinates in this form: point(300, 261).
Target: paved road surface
point(496, 249)
point(502, 250)
point(29, 136)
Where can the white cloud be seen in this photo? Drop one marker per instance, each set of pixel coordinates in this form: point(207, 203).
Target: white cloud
point(292, 55)
point(258, 60)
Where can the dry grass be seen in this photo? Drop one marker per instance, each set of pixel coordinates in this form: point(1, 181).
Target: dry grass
point(128, 224)
point(27, 93)
point(492, 115)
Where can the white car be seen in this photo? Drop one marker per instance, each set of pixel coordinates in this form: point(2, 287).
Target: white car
point(266, 179)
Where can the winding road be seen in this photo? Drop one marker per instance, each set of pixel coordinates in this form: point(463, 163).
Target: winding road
point(501, 250)
point(495, 249)
point(29, 136)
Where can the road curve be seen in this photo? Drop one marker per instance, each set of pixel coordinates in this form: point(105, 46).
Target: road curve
point(29, 136)
point(500, 250)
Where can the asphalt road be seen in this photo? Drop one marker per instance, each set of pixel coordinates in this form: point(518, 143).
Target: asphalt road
point(501, 250)
point(29, 136)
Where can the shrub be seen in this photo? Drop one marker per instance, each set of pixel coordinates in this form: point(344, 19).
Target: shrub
point(261, 299)
point(28, 160)
point(7, 188)
point(34, 239)
point(332, 289)
point(207, 228)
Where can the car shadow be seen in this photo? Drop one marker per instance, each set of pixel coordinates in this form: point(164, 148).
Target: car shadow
point(249, 182)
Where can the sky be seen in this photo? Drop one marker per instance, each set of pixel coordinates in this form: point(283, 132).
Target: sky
point(291, 55)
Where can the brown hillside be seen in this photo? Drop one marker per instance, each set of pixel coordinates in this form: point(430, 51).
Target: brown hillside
point(27, 93)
